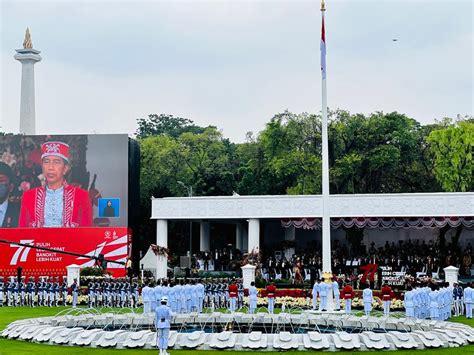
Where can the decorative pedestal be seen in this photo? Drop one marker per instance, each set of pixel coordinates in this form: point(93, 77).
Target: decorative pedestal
point(73, 272)
point(248, 274)
point(451, 273)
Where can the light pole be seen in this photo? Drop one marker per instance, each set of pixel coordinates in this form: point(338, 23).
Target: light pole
point(190, 194)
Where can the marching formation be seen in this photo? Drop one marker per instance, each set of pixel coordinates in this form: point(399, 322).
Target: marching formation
point(438, 303)
point(185, 296)
point(46, 292)
point(113, 292)
point(192, 296)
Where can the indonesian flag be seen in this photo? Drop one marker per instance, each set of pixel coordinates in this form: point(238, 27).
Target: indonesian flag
point(323, 51)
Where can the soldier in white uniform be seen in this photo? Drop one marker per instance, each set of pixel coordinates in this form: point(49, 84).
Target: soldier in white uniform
point(146, 298)
point(323, 295)
point(163, 316)
point(468, 300)
point(337, 294)
point(367, 299)
point(315, 292)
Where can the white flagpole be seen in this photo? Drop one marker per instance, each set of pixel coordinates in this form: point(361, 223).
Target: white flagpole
point(325, 154)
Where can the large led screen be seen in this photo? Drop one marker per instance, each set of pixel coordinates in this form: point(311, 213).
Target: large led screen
point(63, 181)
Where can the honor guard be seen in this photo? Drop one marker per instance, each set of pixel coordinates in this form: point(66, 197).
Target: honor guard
point(469, 300)
point(323, 295)
point(63, 290)
point(163, 316)
point(74, 291)
point(408, 303)
point(253, 292)
point(45, 292)
point(9, 289)
point(30, 289)
point(2, 291)
point(22, 291)
point(347, 294)
point(201, 295)
point(271, 293)
point(367, 298)
point(314, 293)
point(233, 293)
point(337, 294)
point(91, 293)
point(146, 298)
point(386, 298)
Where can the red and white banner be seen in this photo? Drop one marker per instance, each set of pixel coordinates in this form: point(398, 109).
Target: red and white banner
point(114, 243)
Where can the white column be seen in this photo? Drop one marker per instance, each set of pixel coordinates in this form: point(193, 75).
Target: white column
point(248, 275)
point(254, 235)
point(245, 239)
point(290, 234)
point(451, 275)
point(161, 241)
point(73, 273)
point(28, 58)
point(239, 236)
point(205, 237)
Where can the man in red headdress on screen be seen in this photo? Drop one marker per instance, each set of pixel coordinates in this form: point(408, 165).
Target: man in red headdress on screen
point(56, 204)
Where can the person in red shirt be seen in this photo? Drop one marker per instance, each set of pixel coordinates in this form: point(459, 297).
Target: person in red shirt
point(386, 298)
point(348, 294)
point(57, 204)
point(233, 292)
point(271, 293)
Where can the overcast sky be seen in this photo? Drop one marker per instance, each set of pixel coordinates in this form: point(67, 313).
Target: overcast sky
point(234, 64)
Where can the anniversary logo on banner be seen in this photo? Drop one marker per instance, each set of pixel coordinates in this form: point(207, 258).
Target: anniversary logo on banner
point(113, 243)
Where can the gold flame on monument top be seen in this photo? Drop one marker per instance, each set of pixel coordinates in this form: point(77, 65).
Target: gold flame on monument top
point(323, 6)
point(27, 42)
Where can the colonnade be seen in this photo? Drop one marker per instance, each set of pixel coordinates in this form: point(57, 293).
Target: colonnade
point(246, 239)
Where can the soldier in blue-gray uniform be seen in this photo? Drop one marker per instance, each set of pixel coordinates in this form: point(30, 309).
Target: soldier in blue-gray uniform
point(10, 286)
point(458, 300)
point(22, 291)
point(91, 293)
point(134, 291)
point(74, 291)
point(2, 291)
point(163, 316)
point(64, 290)
point(30, 290)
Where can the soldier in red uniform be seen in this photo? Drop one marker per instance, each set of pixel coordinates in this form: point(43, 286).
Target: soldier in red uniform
point(348, 294)
point(271, 293)
point(386, 298)
point(57, 204)
point(233, 292)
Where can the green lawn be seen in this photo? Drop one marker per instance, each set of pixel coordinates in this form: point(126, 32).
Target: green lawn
point(8, 315)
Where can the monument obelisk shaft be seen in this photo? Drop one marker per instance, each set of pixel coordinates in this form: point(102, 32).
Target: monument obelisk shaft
point(28, 58)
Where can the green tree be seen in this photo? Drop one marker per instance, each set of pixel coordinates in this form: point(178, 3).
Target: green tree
point(166, 124)
point(452, 148)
